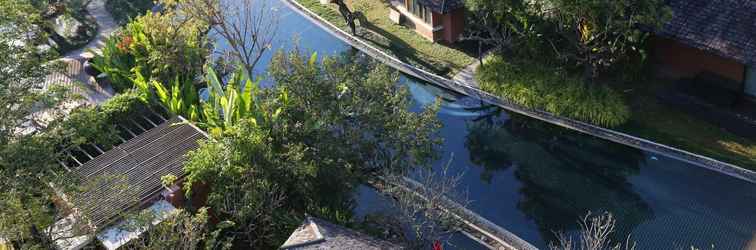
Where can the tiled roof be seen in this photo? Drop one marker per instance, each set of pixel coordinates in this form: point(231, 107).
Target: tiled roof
point(443, 6)
point(319, 234)
point(724, 27)
point(129, 174)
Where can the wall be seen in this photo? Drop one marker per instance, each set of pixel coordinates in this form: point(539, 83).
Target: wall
point(677, 60)
point(416, 23)
point(454, 25)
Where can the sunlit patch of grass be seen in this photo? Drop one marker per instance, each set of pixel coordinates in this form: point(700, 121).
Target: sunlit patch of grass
point(655, 121)
point(397, 40)
point(540, 86)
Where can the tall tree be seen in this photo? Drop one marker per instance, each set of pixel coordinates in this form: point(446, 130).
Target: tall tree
point(598, 34)
point(248, 27)
point(499, 23)
point(26, 161)
point(321, 129)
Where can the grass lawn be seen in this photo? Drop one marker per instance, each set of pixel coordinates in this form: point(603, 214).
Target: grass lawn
point(655, 121)
point(537, 85)
point(397, 40)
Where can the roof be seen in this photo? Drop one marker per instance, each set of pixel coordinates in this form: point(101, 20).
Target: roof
point(443, 6)
point(120, 234)
point(724, 27)
point(129, 174)
point(319, 234)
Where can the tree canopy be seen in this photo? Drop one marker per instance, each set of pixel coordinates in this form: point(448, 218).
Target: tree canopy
point(341, 123)
point(594, 34)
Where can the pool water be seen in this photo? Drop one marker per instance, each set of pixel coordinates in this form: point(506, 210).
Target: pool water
point(533, 178)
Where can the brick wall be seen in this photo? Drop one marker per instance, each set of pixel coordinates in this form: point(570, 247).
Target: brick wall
point(454, 25)
point(677, 60)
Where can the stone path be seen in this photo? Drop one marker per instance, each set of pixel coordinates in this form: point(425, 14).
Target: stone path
point(467, 75)
point(73, 76)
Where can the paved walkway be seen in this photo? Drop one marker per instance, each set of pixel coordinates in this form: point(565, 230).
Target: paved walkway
point(73, 76)
point(467, 75)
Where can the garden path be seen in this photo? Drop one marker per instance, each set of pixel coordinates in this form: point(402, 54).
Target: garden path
point(73, 76)
point(467, 75)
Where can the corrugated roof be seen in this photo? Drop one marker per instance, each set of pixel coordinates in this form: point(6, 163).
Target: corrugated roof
point(130, 173)
point(443, 6)
point(724, 27)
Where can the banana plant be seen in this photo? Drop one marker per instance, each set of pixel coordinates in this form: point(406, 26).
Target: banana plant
point(228, 105)
point(182, 99)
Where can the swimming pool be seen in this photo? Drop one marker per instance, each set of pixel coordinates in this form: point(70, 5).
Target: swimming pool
point(533, 178)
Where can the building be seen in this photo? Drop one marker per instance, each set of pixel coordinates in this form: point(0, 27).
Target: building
point(125, 178)
point(710, 37)
point(436, 20)
point(319, 234)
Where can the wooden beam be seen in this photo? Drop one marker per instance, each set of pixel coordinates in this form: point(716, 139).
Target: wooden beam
point(148, 120)
point(85, 152)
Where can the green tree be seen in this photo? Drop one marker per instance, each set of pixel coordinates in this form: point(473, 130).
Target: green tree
point(339, 122)
point(502, 24)
point(25, 160)
point(180, 230)
point(599, 34)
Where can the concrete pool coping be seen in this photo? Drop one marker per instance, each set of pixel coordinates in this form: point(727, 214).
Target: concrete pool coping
point(471, 91)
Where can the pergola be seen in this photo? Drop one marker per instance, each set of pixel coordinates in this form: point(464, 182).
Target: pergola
point(127, 176)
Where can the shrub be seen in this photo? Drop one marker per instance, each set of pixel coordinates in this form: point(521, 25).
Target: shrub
point(93, 124)
point(159, 46)
point(541, 86)
point(116, 62)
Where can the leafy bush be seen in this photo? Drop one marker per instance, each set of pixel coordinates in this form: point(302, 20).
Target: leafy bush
point(93, 124)
point(159, 46)
point(116, 62)
point(541, 86)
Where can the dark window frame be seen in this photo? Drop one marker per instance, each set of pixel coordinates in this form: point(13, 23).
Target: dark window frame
point(419, 10)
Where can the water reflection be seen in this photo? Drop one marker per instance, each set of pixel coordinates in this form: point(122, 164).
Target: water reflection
point(564, 174)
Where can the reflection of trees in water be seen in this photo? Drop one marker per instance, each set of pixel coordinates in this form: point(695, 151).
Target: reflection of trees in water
point(488, 144)
point(564, 174)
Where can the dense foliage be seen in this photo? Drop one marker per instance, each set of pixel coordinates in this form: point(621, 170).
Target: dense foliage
point(600, 34)
point(596, 35)
point(535, 85)
point(160, 46)
point(29, 164)
point(549, 44)
point(26, 161)
point(338, 122)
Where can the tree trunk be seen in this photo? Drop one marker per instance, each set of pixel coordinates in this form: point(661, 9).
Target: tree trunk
point(347, 15)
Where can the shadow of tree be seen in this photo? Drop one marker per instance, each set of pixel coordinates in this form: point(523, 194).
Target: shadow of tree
point(398, 47)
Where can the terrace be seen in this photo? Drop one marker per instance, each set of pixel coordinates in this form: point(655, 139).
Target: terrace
point(126, 177)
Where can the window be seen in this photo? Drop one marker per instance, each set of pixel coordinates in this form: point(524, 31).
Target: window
point(750, 81)
point(428, 14)
point(419, 10)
